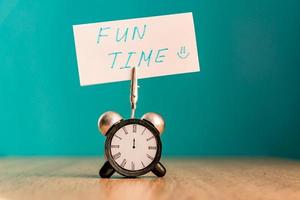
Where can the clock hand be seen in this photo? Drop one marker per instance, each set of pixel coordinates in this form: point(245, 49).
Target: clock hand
point(133, 146)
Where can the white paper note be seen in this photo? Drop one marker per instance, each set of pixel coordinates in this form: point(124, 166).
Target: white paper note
point(156, 46)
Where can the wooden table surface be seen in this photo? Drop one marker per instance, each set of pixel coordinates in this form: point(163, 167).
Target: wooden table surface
point(205, 178)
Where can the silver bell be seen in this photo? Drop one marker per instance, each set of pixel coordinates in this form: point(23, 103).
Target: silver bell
point(156, 120)
point(106, 120)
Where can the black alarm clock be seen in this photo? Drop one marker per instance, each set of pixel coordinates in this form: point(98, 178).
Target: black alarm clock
point(133, 146)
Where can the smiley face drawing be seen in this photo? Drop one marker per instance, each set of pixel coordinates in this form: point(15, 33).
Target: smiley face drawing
point(183, 54)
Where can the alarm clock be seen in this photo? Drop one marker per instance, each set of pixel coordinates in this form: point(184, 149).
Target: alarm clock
point(133, 146)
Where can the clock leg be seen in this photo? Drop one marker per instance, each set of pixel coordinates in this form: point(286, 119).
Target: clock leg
point(106, 170)
point(159, 170)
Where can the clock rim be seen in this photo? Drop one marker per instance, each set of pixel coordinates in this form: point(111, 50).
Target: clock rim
point(114, 129)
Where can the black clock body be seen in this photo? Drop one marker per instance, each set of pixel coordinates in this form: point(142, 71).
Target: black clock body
point(112, 165)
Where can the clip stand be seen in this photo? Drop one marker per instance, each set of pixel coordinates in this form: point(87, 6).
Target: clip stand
point(133, 92)
point(108, 119)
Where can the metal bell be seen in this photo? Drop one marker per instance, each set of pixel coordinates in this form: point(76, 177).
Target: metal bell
point(106, 120)
point(156, 120)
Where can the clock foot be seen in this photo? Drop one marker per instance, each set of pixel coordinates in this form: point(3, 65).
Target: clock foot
point(106, 170)
point(159, 170)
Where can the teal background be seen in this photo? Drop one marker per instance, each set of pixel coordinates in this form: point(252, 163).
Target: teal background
point(245, 100)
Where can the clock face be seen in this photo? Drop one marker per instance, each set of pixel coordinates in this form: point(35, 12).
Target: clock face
point(133, 147)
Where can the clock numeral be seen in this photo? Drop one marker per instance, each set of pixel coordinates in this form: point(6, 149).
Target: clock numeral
point(115, 146)
point(123, 163)
point(150, 157)
point(118, 137)
point(142, 164)
point(116, 156)
point(150, 138)
point(134, 128)
point(143, 131)
point(132, 166)
point(124, 129)
point(152, 147)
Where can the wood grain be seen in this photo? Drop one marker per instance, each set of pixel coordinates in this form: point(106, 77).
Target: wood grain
point(209, 178)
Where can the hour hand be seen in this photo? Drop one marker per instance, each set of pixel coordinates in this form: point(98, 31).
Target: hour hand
point(133, 144)
point(106, 170)
point(159, 170)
